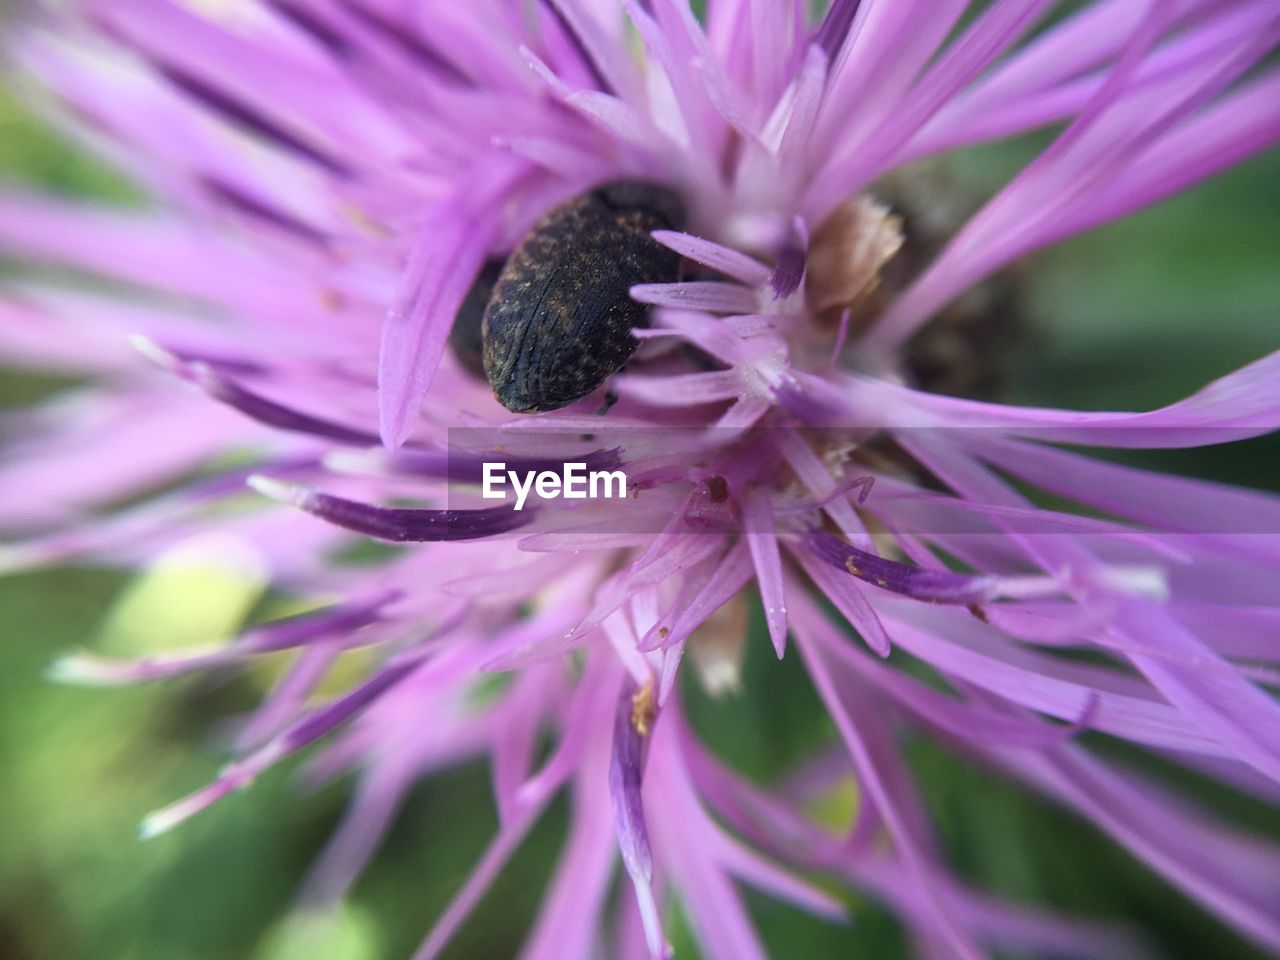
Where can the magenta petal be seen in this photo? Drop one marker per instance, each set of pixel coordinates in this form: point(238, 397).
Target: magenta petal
point(446, 257)
point(262, 409)
point(323, 181)
point(632, 731)
point(370, 815)
point(569, 920)
point(831, 33)
point(726, 260)
point(882, 778)
point(1221, 702)
point(849, 600)
point(397, 524)
point(626, 772)
point(711, 295)
point(762, 540)
point(1235, 876)
point(936, 586)
point(495, 857)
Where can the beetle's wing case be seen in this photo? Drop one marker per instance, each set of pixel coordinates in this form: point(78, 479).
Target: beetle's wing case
point(560, 319)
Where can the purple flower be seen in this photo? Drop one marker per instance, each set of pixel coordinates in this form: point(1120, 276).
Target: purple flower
point(329, 181)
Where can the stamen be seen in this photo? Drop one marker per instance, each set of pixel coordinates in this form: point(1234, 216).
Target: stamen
point(643, 710)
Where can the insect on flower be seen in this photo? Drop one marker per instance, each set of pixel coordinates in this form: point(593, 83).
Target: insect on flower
point(805, 434)
point(559, 321)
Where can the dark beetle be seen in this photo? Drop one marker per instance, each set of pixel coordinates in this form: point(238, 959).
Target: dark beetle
point(560, 318)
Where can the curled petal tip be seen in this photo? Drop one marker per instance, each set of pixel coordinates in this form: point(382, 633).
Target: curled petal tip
point(152, 826)
point(84, 669)
point(152, 351)
point(393, 431)
point(166, 818)
point(278, 490)
point(234, 776)
point(197, 372)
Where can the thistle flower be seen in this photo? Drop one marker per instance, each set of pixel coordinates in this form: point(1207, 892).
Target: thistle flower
point(330, 181)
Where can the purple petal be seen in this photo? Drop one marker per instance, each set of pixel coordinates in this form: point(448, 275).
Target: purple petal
point(396, 524)
point(634, 718)
point(881, 776)
point(831, 33)
point(731, 574)
point(849, 600)
point(633, 723)
point(934, 586)
point(1233, 875)
point(608, 65)
point(569, 918)
point(962, 647)
point(713, 296)
point(726, 260)
point(449, 252)
point(1220, 701)
point(253, 405)
point(757, 516)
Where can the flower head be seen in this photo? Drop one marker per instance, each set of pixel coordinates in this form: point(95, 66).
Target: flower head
point(337, 183)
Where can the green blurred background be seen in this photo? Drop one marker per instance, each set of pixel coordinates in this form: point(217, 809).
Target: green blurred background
point(1134, 315)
